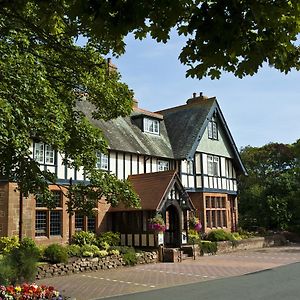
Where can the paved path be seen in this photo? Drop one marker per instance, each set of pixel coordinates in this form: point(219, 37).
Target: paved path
point(272, 284)
point(107, 283)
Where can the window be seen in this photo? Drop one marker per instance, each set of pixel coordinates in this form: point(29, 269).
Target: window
point(213, 165)
point(212, 130)
point(55, 222)
point(91, 224)
point(43, 153)
point(189, 167)
point(215, 212)
point(151, 126)
point(84, 223)
point(79, 222)
point(162, 165)
point(49, 222)
point(40, 223)
point(102, 161)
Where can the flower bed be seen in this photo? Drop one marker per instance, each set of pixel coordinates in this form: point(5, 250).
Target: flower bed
point(29, 292)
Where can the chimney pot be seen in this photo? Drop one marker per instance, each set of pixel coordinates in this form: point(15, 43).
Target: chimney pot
point(194, 95)
point(201, 94)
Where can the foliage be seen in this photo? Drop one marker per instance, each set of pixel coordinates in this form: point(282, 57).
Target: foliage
point(56, 253)
point(193, 236)
point(29, 291)
point(129, 256)
point(7, 244)
point(7, 273)
point(217, 235)
point(73, 250)
point(83, 238)
point(46, 77)
point(234, 36)
point(23, 261)
point(157, 223)
point(88, 250)
point(208, 247)
point(114, 252)
point(109, 237)
point(195, 223)
point(268, 195)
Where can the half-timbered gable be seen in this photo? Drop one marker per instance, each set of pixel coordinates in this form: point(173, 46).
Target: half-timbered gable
point(179, 160)
point(209, 160)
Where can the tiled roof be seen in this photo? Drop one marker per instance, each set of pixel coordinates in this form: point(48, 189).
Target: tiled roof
point(151, 188)
point(123, 134)
point(184, 122)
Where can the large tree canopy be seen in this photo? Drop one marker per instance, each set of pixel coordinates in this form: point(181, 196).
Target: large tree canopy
point(269, 195)
point(42, 76)
point(43, 71)
point(231, 35)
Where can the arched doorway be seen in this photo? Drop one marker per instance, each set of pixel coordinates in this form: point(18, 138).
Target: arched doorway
point(172, 234)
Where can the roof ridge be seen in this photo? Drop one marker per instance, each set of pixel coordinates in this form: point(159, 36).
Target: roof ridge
point(186, 105)
point(171, 172)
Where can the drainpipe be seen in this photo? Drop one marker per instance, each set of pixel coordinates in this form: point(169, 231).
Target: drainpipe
point(20, 214)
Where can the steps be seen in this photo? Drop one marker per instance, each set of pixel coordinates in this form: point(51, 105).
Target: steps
point(177, 254)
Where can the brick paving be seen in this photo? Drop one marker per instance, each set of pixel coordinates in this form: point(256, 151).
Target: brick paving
point(106, 283)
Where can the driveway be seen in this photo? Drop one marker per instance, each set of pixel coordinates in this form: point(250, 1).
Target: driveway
point(107, 283)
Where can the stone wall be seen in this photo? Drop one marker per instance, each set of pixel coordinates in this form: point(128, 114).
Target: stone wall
point(91, 264)
point(252, 243)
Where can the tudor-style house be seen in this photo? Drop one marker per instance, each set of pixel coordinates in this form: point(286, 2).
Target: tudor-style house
point(179, 160)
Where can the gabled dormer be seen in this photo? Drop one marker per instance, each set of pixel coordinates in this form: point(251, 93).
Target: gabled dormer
point(147, 121)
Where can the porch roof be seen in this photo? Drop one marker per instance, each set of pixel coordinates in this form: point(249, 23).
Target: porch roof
point(151, 188)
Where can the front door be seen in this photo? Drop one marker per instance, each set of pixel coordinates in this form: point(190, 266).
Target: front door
point(172, 234)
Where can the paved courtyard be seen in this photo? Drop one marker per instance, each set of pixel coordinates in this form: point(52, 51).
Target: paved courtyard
point(107, 283)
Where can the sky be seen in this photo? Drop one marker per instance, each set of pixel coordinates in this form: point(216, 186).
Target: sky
point(258, 109)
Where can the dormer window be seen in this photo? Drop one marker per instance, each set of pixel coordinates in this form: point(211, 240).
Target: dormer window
point(151, 126)
point(212, 130)
point(102, 161)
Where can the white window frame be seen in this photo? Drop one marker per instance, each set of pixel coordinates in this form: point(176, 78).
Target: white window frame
point(102, 161)
point(213, 165)
point(163, 165)
point(189, 167)
point(44, 154)
point(212, 129)
point(151, 126)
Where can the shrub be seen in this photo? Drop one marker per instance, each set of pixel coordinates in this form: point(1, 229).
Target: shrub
point(244, 234)
point(56, 253)
point(90, 250)
point(7, 244)
point(73, 250)
point(23, 261)
point(7, 272)
point(208, 247)
point(129, 257)
point(236, 236)
point(102, 253)
point(121, 249)
point(193, 236)
point(114, 252)
point(84, 238)
point(110, 238)
point(217, 235)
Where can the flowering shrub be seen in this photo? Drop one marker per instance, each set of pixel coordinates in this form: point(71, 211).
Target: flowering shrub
point(157, 223)
point(195, 224)
point(28, 291)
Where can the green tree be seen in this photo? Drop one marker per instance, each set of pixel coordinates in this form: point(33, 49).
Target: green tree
point(236, 36)
point(43, 73)
point(268, 194)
